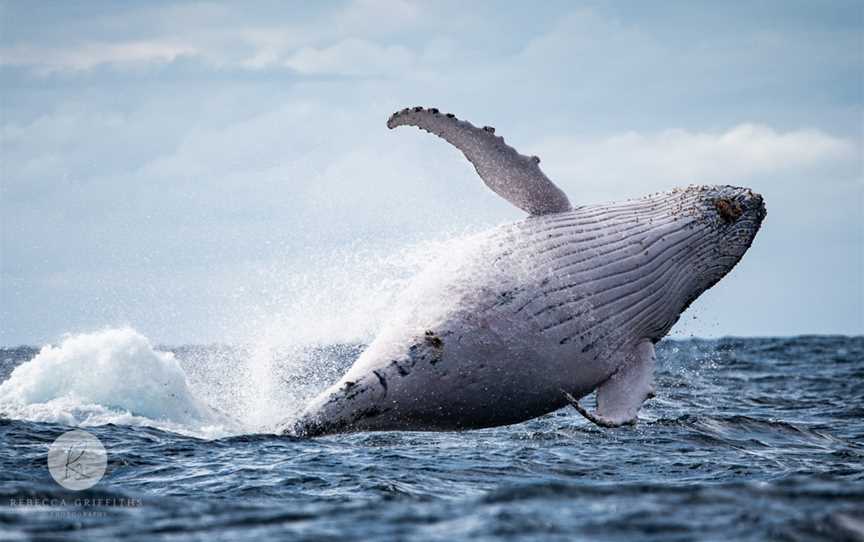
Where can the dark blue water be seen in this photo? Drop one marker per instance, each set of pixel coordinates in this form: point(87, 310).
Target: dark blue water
point(748, 439)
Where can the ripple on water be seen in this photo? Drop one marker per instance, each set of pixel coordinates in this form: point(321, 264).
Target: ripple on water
point(748, 439)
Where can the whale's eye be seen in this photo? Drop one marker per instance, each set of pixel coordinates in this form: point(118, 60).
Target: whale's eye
point(728, 209)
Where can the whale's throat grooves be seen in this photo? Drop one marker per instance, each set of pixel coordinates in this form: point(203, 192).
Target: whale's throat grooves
point(614, 273)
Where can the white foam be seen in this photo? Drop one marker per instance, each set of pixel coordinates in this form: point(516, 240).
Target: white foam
point(111, 376)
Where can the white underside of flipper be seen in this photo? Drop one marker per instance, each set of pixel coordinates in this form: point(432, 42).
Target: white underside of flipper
point(513, 176)
point(621, 396)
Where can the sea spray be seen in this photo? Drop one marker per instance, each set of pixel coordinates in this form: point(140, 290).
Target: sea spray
point(110, 376)
point(300, 331)
point(339, 299)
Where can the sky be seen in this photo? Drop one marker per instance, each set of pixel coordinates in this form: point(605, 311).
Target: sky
point(199, 171)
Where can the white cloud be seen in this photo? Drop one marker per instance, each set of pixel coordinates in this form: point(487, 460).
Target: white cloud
point(334, 42)
point(631, 161)
point(380, 15)
point(190, 174)
point(88, 56)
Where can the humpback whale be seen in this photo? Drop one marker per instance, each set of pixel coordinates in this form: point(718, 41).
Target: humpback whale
point(533, 316)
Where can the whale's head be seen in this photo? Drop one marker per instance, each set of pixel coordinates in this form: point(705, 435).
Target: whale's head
point(729, 218)
point(705, 230)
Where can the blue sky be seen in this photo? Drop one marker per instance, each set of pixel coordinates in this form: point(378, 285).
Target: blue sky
point(201, 170)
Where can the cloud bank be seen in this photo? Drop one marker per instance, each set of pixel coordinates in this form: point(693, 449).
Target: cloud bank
point(161, 162)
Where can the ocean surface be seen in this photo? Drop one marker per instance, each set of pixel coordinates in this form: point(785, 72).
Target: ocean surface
point(747, 439)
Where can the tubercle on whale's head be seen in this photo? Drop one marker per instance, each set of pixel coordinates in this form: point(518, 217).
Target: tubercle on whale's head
point(732, 216)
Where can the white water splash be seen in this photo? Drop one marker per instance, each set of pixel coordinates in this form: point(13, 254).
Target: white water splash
point(339, 298)
point(112, 376)
point(298, 308)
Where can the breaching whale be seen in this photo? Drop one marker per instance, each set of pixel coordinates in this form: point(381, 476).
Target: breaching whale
point(532, 316)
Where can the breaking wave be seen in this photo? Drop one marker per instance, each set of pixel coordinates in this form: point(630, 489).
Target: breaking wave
point(112, 376)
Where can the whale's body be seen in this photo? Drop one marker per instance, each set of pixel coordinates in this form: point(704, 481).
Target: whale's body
point(528, 317)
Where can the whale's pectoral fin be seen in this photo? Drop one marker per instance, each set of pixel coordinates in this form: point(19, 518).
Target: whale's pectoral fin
point(621, 396)
point(514, 177)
